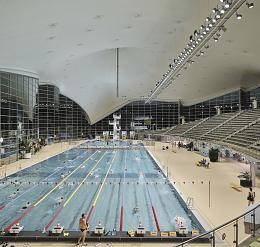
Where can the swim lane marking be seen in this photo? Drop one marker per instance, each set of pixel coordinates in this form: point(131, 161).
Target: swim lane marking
point(73, 193)
point(100, 189)
point(28, 190)
point(44, 197)
point(63, 180)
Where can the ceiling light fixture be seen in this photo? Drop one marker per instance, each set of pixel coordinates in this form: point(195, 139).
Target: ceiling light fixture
point(218, 15)
point(226, 4)
point(238, 16)
point(212, 28)
point(250, 5)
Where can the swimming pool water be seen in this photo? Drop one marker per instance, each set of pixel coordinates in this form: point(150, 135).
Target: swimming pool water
point(119, 188)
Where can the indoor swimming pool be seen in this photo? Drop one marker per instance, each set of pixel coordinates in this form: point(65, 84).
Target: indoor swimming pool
point(118, 188)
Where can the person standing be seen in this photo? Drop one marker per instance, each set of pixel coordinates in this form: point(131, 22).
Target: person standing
point(83, 226)
point(251, 196)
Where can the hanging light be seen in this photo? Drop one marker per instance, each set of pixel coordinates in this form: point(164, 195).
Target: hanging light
point(198, 40)
point(227, 4)
point(218, 15)
point(239, 16)
point(250, 5)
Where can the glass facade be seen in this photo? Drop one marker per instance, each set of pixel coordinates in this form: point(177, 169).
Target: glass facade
point(230, 102)
point(19, 114)
point(62, 118)
point(248, 96)
point(48, 111)
point(59, 116)
point(73, 122)
point(65, 119)
point(138, 116)
point(31, 111)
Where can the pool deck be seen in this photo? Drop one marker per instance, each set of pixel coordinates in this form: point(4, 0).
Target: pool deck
point(225, 204)
point(45, 153)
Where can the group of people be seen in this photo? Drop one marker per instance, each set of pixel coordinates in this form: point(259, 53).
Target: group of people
point(203, 163)
point(165, 148)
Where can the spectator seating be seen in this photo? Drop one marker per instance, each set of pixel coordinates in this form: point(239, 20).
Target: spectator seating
point(234, 125)
point(239, 130)
point(209, 125)
point(183, 128)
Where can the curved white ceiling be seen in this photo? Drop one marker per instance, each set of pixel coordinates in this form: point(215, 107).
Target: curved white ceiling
point(72, 43)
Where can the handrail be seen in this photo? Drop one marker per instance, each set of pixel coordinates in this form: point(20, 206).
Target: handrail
point(217, 228)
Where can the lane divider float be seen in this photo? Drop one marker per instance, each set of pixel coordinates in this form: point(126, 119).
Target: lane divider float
point(46, 195)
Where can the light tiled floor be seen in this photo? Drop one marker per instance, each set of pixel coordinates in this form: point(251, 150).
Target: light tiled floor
point(225, 202)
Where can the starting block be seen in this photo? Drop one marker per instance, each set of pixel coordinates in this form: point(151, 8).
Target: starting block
point(164, 234)
point(153, 234)
point(140, 231)
point(16, 229)
point(195, 233)
point(172, 234)
point(99, 230)
point(57, 230)
point(131, 233)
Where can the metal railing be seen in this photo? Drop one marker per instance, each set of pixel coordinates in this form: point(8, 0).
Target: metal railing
point(216, 239)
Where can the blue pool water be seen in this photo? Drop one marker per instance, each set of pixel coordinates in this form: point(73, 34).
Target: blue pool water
point(120, 188)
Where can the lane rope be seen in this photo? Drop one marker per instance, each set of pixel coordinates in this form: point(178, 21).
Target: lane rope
point(100, 189)
point(47, 194)
point(72, 194)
